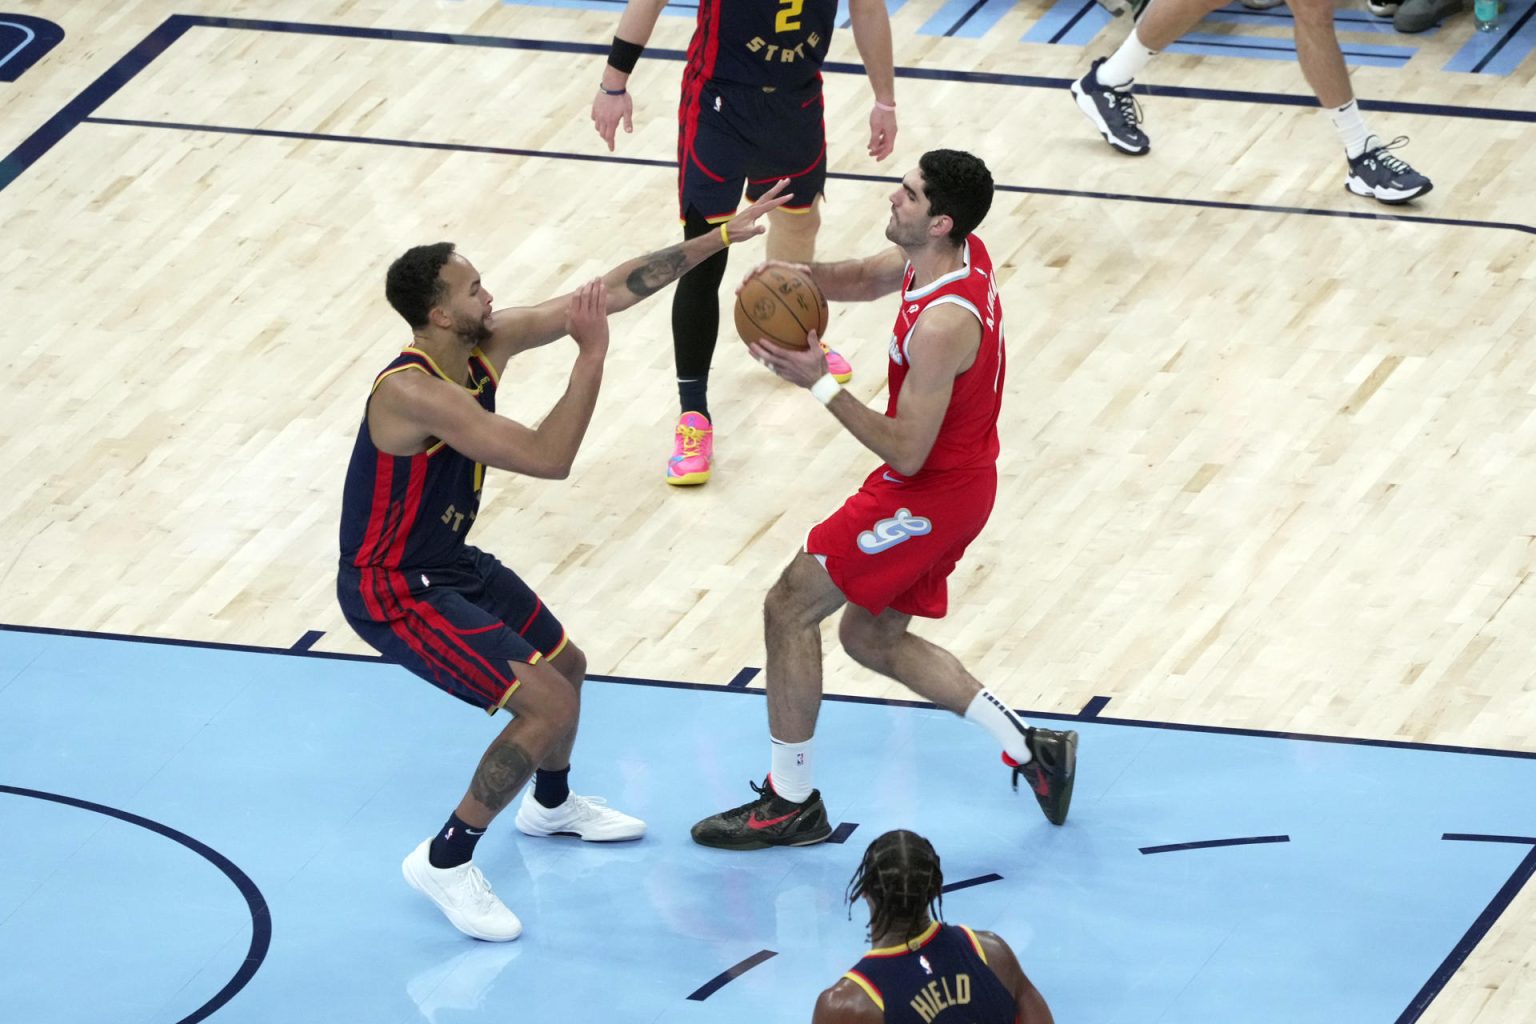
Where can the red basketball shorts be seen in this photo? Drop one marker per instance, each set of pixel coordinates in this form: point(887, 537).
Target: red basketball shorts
point(895, 542)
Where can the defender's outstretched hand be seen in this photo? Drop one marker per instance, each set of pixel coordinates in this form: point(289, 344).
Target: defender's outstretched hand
point(586, 317)
point(745, 224)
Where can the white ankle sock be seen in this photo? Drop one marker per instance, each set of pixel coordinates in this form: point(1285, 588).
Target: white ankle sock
point(1126, 63)
point(1005, 726)
point(791, 771)
point(1351, 128)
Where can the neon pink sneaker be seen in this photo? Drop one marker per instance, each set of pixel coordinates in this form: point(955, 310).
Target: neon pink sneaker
point(692, 448)
point(837, 366)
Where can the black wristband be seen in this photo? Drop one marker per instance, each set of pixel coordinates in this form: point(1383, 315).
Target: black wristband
point(623, 55)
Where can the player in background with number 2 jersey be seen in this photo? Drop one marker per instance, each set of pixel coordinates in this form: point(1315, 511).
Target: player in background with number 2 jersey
point(751, 113)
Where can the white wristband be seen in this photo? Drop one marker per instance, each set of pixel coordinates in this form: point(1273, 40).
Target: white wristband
point(825, 387)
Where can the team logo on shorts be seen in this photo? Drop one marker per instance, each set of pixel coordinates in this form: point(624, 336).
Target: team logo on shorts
point(890, 532)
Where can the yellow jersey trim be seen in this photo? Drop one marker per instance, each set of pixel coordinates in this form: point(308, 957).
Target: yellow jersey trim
point(868, 987)
point(486, 361)
point(975, 942)
point(911, 944)
point(387, 373)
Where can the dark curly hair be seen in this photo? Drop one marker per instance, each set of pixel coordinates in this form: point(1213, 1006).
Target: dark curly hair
point(900, 874)
point(959, 185)
point(413, 285)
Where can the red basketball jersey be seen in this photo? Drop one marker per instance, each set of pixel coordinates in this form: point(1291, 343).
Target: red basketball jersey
point(968, 436)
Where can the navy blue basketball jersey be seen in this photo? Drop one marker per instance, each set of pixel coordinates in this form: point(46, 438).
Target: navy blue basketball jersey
point(778, 43)
point(940, 977)
point(412, 511)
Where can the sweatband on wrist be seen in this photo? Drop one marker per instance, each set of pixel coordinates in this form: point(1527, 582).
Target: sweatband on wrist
point(620, 91)
point(725, 236)
point(623, 55)
point(825, 388)
point(889, 108)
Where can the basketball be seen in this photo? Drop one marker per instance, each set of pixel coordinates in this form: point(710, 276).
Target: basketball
point(782, 305)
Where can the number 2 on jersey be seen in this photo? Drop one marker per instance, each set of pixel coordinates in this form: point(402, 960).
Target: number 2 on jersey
point(789, 17)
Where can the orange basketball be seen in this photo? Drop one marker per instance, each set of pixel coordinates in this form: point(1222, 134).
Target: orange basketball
point(781, 305)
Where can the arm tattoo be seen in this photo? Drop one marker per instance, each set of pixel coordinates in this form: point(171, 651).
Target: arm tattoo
point(502, 772)
point(656, 271)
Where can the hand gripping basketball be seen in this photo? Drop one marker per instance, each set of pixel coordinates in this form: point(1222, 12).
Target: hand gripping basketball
point(781, 304)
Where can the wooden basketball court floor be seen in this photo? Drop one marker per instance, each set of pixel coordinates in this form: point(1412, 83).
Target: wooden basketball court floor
point(1262, 535)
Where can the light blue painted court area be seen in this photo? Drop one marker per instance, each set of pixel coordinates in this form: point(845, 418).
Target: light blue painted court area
point(190, 828)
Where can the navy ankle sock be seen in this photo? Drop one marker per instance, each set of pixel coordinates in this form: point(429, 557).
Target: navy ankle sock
point(693, 396)
point(551, 788)
point(454, 844)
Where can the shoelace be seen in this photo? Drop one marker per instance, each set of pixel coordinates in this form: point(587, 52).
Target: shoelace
point(588, 806)
point(693, 439)
point(479, 888)
point(1382, 154)
point(1126, 106)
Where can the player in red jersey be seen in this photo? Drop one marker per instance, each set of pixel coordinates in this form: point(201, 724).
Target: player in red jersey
point(887, 552)
point(413, 588)
point(920, 970)
point(751, 112)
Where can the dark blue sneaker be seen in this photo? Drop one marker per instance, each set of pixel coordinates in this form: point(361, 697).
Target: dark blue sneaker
point(1114, 112)
point(1051, 770)
point(1383, 177)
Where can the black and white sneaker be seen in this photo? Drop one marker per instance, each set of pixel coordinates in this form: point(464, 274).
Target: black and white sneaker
point(1383, 177)
point(1114, 112)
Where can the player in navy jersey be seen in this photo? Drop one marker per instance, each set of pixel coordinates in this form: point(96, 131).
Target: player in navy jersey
point(751, 113)
point(886, 554)
point(412, 587)
point(920, 970)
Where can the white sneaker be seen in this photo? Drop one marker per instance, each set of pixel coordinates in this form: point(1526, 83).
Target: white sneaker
point(581, 817)
point(463, 895)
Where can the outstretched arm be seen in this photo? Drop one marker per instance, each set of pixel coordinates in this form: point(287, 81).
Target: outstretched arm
point(872, 35)
point(520, 328)
point(409, 411)
point(613, 103)
point(849, 280)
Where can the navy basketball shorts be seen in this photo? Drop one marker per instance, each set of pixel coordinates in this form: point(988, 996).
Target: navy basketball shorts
point(735, 137)
point(464, 628)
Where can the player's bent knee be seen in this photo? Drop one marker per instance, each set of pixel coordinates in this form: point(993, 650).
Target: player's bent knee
point(572, 664)
point(545, 698)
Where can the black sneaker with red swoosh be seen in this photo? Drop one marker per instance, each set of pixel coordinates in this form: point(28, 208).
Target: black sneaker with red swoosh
point(770, 820)
point(1050, 771)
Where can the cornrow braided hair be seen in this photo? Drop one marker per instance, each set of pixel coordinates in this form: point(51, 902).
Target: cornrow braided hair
point(900, 874)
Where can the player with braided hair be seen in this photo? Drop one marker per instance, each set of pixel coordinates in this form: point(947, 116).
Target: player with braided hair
point(923, 971)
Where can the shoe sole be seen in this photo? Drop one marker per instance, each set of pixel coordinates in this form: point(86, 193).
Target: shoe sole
point(754, 843)
point(1367, 192)
point(1091, 111)
point(527, 831)
point(1068, 779)
point(688, 479)
point(410, 880)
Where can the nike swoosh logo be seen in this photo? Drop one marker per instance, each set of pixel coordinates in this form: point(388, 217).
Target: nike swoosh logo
point(753, 822)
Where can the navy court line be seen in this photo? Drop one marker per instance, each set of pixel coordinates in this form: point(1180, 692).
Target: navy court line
point(1120, 197)
point(730, 974)
point(842, 832)
point(1458, 955)
point(1209, 843)
point(1466, 837)
point(1093, 707)
point(745, 676)
point(307, 641)
point(672, 684)
point(968, 882)
point(256, 903)
point(175, 26)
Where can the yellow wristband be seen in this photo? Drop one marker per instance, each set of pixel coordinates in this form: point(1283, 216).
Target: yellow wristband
point(725, 236)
